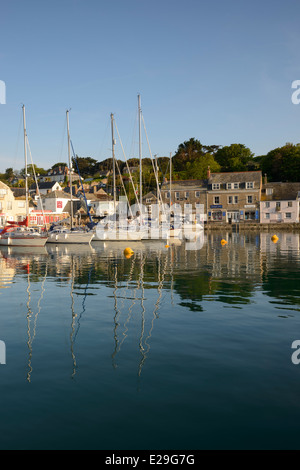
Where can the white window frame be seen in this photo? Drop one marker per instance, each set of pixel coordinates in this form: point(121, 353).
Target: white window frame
point(215, 202)
point(216, 186)
point(250, 185)
point(250, 199)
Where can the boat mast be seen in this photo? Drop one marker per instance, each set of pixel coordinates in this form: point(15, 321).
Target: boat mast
point(114, 162)
point(26, 164)
point(70, 168)
point(170, 179)
point(140, 148)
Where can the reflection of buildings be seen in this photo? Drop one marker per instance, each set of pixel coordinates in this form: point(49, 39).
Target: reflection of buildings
point(128, 296)
point(7, 273)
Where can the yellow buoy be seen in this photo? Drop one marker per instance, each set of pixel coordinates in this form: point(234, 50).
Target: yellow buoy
point(167, 246)
point(274, 238)
point(128, 252)
point(223, 242)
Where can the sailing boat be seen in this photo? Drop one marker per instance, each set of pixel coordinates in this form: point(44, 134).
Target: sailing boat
point(19, 233)
point(69, 235)
point(122, 229)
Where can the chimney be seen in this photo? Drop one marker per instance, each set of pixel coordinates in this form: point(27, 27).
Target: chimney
point(265, 179)
point(208, 172)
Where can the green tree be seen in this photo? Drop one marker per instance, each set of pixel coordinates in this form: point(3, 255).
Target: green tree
point(235, 157)
point(192, 160)
point(282, 164)
point(86, 165)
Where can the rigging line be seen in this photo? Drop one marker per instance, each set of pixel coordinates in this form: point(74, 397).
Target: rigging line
point(131, 180)
point(142, 349)
point(159, 197)
point(75, 160)
point(123, 186)
point(63, 140)
point(18, 140)
point(35, 178)
point(83, 303)
point(132, 303)
point(74, 315)
point(30, 342)
point(104, 137)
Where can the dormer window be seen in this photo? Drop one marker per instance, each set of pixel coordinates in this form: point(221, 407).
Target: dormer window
point(249, 185)
point(229, 185)
point(236, 185)
point(216, 186)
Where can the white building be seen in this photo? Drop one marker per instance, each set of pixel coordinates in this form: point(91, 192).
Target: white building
point(56, 201)
point(279, 203)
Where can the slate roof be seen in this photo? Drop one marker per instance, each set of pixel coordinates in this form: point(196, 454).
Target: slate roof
point(236, 177)
point(281, 191)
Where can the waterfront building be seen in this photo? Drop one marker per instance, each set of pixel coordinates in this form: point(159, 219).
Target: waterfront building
point(280, 203)
point(11, 208)
point(234, 196)
point(189, 196)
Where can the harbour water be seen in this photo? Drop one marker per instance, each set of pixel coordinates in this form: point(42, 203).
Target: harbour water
point(186, 346)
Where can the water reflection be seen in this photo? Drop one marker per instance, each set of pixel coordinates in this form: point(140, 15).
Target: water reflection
point(154, 281)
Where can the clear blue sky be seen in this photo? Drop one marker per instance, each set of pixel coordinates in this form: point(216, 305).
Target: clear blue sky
point(218, 71)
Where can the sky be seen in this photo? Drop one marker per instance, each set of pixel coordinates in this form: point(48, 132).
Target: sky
point(220, 72)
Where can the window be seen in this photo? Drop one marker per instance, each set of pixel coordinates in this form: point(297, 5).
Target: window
point(228, 185)
point(3, 192)
point(267, 204)
point(230, 200)
point(288, 215)
point(21, 204)
point(267, 215)
point(177, 196)
point(277, 206)
point(186, 194)
point(168, 195)
point(290, 204)
point(269, 191)
point(250, 199)
point(0, 206)
point(236, 185)
point(197, 193)
point(249, 185)
point(235, 199)
point(216, 186)
point(9, 205)
point(216, 200)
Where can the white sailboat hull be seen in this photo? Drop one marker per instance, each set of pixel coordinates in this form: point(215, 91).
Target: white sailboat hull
point(22, 240)
point(70, 237)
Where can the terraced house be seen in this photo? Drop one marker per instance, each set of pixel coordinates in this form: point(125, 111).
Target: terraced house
point(233, 197)
point(186, 195)
point(11, 208)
